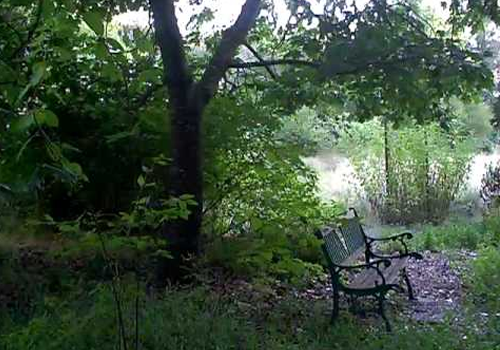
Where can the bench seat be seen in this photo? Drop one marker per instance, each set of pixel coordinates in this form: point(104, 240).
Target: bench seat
point(369, 278)
point(343, 244)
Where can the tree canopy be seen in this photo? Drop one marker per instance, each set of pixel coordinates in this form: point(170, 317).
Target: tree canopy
point(85, 102)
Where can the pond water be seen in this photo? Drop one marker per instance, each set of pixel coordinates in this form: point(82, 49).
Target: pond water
point(337, 179)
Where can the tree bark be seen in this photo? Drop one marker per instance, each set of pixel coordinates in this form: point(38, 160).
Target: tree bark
point(187, 102)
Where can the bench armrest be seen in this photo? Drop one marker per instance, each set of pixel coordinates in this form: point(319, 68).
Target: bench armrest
point(373, 264)
point(370, 265)
point(414, 255)
point(401, 237)
point(397, 237)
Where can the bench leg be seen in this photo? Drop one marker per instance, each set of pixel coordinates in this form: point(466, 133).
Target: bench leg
point(335, 311)
point(408, 285)
point(381, 310)
point(353, 305)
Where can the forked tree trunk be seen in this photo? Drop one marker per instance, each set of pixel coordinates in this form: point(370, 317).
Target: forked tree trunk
point(188, 100)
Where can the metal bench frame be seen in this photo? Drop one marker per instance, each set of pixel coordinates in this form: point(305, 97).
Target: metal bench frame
point(347, 241)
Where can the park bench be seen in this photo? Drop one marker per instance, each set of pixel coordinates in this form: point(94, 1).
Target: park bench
point(376, 275)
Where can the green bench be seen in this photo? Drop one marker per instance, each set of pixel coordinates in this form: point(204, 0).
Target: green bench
point(377, 275)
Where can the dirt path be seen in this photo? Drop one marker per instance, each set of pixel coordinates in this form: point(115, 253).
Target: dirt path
point(437, 286)
point(438, 289)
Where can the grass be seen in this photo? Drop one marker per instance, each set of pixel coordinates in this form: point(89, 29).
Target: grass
point(198, 319)
point(82, 315)
point(456, 234)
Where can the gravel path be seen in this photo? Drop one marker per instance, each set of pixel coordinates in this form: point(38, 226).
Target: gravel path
point(437, 288)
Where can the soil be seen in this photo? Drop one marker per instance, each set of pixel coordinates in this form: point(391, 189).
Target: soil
point(437, 286)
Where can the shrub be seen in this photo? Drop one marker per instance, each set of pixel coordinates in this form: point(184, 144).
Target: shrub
point(262, 210)
point(411, 174)
point(306, 129)
point(492, 225)
point(459, 234)
point(485, 277)
point(490, 186)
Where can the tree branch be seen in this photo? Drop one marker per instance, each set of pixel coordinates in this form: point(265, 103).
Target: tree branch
point(233, 37)
point(177, 76)
point(259, 57)
point(278, 62)
point(349, 69)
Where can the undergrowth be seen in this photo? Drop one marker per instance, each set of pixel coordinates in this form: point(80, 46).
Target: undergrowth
point(198, 319)
point(459, 234)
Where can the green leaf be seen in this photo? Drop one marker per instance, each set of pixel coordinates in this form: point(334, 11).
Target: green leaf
point(47, 117)
point(119, 136)
point(64, 53)
point(38, 70)
point(115, 44)
point(111, 72)
point(68, 147)
point(23, 148)
point(150, 75)
point(101, 51)
point(23, 123)
point(75, 169)
point(141, 181)
point(95, 21)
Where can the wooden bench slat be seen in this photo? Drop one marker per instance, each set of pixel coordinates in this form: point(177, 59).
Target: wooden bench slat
point(354, 257)
point(369, 278)
point(344, 245)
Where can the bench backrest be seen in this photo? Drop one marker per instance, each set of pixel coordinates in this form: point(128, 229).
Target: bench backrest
point(353, 234)
point(344, 242)
point(333, 246)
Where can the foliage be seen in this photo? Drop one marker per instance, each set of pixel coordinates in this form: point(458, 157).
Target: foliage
point(64, 89)
point(410, 174)
point(459, 235)
point(199, 320)
point(475, 119)
point(189, 321)
point(485, 274)
point(129, 239)
point(82, 98)
point(308, 131)
point(262, 217)
point(490, 186)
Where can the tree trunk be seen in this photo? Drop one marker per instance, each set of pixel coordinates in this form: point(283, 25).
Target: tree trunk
point(187, 176)
point(387, 205)
point(188, 100)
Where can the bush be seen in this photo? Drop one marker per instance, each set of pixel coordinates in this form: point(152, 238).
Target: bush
point(492, 225)
point(424, 172)
point(262, 210)
point(485, 277)
point(460, 235)
point(490, 186)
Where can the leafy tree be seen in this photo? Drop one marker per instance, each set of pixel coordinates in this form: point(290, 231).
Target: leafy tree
point(388, 60)
point(73, 90)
